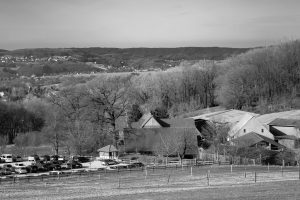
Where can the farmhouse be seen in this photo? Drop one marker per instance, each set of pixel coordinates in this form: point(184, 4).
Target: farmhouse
point(249, 124)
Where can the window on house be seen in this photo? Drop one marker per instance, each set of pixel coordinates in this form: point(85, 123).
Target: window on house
point(262, 130)
point(244, 130)
point(297, 144)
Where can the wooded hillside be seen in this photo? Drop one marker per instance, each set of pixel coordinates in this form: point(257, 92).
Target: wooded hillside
point(82, 112)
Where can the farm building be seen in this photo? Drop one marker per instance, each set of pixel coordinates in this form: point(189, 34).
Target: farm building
point(239, 123)
point(253, 139)
point(108, 152)
point(286, 132)
point(162, 137)
point(249, 124)
point(280, 127)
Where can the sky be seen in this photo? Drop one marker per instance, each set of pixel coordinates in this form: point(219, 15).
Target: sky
point(147, 23)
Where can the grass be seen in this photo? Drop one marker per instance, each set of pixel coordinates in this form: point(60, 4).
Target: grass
point(165, 184)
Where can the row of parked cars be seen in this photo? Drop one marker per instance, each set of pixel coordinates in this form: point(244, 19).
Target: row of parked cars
point(56, 163)
point(36, 164)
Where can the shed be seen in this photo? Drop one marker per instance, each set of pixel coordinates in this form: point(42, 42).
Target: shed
point(108, 152)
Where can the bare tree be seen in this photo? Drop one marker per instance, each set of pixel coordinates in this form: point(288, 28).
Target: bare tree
point(110, 99)
point(179, 141)
point(54, 131)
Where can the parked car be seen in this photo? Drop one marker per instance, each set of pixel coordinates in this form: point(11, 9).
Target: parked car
point(32, 169)
point(55, 172)
point(65, 166)
point(74, 164)
point(119, 166)
point(17, 159)
point(45, 158)
point(20, 170)
point(110, 162)
point(7, 157)
point(5, 172)
point(33, 158)
point(136, 164)
point(18, 165)
point(8, 166)
point(82, 159)
point(54, 158)
point(52, 166)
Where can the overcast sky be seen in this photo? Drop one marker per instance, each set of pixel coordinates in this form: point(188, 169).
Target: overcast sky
point(147, 23)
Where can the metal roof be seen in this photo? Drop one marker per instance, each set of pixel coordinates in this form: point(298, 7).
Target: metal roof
point(267, 118)
point(226, 116)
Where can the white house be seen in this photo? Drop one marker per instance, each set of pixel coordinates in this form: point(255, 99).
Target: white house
point(108, 152)
point(247, 124)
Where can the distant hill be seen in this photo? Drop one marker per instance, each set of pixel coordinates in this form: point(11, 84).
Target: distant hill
point(189, 53)
point(135, 58)
point(3, 50)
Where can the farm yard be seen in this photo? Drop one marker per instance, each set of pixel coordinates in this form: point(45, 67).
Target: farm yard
point(187, 182)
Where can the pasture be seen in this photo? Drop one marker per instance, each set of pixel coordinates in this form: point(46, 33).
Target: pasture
point(207, 182)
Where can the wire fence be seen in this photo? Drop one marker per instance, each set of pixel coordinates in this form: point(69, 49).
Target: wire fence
point(161, 176)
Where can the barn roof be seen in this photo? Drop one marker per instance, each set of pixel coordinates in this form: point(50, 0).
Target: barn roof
point(285, 122)
point(170, 123)
point(231, 116)
point(253, 138)
point(267, 118)
point(201, 112)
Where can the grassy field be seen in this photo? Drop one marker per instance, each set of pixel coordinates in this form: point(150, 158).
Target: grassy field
point(165, 184)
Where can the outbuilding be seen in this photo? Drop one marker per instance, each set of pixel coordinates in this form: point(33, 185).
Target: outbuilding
point(108, 152)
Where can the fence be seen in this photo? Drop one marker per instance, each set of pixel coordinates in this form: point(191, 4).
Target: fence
point(155, 176)
point(225, 159)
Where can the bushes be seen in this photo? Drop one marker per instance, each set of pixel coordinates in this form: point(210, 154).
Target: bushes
point(267, 156)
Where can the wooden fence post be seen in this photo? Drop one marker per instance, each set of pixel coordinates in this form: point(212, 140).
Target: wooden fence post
point(207, 178)
point(169, 178)
point(268, 167)
point(231, 168)
point(254, 177)
point(146, 173)
point(119, 183)
point(281, 171)
point(191, 170)
point(245, 173)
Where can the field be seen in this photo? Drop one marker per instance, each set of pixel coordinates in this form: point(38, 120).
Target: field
point(214, 182)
